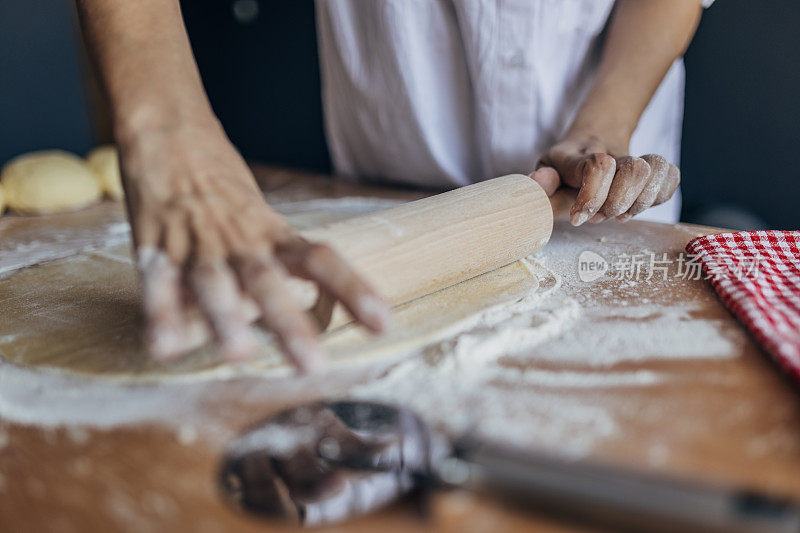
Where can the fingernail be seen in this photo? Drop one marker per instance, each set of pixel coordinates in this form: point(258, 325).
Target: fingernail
point(579, 218)
point(624, 217)
point(311, 358)
point(376, 313)
point(598, 218)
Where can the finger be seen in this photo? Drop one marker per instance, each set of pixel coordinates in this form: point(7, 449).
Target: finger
point(175, 243)
point(217, 293)
point(265, 282)
point(547, 178)
point(631, 177)
point(145, 231)
point(670, 185)
point(598, 218)
point(659, 171)
point(164, 317)
point(175, 239)
point(320, 263)
point(597, 175)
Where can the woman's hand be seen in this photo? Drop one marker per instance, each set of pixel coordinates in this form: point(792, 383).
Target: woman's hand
point(610, 182)
point(642, 42)
point(208, 244)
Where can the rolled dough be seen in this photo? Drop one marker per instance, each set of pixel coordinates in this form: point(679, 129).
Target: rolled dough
point(80, 314)
point(49, 181)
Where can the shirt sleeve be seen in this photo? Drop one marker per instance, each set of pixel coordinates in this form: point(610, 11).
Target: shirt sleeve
point(707, 3)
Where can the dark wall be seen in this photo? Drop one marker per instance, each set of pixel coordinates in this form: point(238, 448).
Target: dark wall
point(742, 123)
point(261, 73)
point(42, 98)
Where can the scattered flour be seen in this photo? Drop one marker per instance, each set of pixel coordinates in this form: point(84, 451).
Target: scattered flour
point(60, 244)
point(577, 380)
point(643, 332)
point(51, 398)
point(461, 386)
point(492, 377)
point(187, 435)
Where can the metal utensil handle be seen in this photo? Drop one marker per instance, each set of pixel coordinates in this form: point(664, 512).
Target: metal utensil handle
point(617, 498)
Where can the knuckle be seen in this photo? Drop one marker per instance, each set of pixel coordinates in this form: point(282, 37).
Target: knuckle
point(641, 169)
point(256, 268)
point(656, 160)
point(625, 167)
point(600, 162)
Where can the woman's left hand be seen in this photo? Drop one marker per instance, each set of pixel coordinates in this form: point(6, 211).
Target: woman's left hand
point(610, 182)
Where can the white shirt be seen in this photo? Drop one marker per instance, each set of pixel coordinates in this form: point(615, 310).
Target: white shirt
point(450, 92)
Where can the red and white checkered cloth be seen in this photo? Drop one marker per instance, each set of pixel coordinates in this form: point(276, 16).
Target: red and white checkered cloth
point(757, 276)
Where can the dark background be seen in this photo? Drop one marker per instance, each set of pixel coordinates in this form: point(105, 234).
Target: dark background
point(259, 63)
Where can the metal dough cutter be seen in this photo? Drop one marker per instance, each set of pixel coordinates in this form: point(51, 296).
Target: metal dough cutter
point(328, 462)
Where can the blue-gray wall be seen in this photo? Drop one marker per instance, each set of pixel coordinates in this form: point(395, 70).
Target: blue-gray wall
point(742, 120)
point(262, 76)
point(42, 98)
point(741, 134)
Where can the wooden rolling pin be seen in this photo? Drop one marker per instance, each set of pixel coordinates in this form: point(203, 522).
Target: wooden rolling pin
point(418, 248)
point(424, 246)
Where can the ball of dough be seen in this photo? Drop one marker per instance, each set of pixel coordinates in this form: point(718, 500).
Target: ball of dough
point(104, 162)
point(49, 181)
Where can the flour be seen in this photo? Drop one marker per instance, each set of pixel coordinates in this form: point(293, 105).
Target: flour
point(453, 383)
point(577, 380)
point(644, 332)
point(52, 398)
point(60, 243)
point(490, 373)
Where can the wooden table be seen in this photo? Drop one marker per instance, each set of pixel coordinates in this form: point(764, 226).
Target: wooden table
point(724, 419)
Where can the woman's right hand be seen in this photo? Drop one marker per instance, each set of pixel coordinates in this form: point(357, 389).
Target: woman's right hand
point(207, 243)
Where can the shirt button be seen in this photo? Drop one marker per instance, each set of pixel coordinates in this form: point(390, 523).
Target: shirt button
point(515, 59)
point(245, 11)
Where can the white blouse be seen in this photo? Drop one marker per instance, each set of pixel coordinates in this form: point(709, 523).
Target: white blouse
point(450, 92)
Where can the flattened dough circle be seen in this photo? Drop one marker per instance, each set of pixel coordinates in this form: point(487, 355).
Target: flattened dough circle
point(80, 315)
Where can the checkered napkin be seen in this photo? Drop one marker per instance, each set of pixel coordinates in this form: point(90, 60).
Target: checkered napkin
point(757, 276)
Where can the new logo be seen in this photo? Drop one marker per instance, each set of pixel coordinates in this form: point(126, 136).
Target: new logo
point(591, 266)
